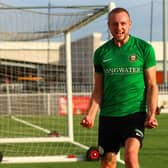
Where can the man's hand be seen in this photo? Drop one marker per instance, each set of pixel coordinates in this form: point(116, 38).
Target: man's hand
point(87, 122)
point(151, 123)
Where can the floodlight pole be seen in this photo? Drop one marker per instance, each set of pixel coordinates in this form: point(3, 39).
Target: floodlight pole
point(151, 21)
point(165, 41)
point(110, 8)
point(48, 38)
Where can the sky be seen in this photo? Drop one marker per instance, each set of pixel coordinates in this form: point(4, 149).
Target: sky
point(140, 12)
point(73, 2)
point(123, 3)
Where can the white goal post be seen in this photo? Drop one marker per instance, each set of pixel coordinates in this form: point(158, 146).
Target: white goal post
point(46, 81)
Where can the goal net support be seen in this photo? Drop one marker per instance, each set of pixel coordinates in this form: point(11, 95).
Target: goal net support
point(46, 82)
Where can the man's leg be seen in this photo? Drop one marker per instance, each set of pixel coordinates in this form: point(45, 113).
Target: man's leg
point(109, 160)
point(132, 146)
point(109, 141)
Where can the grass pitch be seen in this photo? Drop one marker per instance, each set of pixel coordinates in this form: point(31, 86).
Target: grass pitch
point(153, 154)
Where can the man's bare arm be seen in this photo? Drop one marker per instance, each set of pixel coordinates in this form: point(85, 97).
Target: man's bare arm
point(152, 97)
point(95, 102)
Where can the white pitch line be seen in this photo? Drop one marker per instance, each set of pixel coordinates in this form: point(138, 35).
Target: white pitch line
point(30, 124)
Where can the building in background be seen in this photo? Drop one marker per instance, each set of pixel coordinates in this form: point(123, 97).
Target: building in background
point(41, 65)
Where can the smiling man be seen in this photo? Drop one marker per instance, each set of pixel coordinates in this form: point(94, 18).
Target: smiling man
point(125, 92)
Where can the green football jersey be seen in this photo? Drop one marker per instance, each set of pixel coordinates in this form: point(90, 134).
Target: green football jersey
point(123, 72)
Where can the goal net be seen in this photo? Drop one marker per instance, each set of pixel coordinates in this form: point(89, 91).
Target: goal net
point(46, 78)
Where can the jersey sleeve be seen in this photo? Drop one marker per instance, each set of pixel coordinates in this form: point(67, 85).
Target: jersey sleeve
point(97, 62)
point(150, 58)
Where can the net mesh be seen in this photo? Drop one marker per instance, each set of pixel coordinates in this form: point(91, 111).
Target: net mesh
point(18, 24)
point(33, 82)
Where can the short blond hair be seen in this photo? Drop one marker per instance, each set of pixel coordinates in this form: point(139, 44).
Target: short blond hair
point(118, 10)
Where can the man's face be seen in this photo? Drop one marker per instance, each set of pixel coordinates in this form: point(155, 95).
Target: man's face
point(119, 25)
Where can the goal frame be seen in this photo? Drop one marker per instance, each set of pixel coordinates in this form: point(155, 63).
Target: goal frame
point(70, 137)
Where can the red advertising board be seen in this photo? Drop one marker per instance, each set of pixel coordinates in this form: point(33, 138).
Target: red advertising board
point(79, 104)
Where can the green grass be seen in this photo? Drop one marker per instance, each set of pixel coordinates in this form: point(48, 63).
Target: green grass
point(87, 137)
point(81, 164)
point(153, 154)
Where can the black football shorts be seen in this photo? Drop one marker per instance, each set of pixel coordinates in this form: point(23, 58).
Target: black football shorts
point(113, 131)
